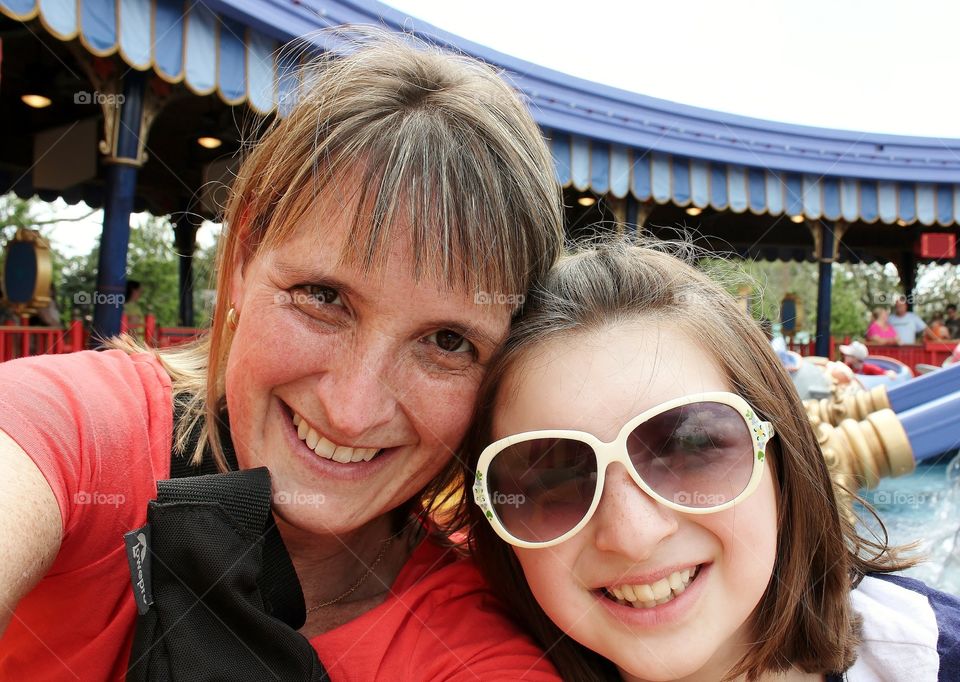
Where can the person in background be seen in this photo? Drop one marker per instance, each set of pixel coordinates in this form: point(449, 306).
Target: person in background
point(880, 332)
point(855, 357)
point(131, 305)
point(952, 322)
point(936, 330)
point(907, 323)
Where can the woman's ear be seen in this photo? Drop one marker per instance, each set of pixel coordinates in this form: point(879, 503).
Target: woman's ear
point(236, 285)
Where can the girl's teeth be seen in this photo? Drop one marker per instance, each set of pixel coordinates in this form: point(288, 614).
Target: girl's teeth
point(660, 592)
point(312, 439)
point(644, 593)
point(661, 588)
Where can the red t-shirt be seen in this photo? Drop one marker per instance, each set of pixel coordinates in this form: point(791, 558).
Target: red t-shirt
point(99, 428)
point(871, 370)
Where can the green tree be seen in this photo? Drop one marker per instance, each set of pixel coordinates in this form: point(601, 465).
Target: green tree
point(152, 261)
point(204, 282)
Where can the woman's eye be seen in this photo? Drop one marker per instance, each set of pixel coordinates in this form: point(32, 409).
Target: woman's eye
point(450, 341)
point(317, 295)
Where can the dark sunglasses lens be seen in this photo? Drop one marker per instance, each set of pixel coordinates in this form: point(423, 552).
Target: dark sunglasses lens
point(540, 489)
point(698, 455)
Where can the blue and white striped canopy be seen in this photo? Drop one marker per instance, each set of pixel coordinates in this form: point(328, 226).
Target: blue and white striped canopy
point(646, 175)
point(182, 42)
point(604, 140)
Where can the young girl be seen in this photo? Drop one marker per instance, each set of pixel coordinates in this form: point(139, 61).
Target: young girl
point(666, 508)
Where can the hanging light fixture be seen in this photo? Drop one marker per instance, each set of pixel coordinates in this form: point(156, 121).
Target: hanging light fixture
point(36, 101)
point(586, 201)
point(694, 210)
point(209, 141)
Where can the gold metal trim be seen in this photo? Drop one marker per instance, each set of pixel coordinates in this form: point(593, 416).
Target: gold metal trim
point(849, 406)
point(860, 453)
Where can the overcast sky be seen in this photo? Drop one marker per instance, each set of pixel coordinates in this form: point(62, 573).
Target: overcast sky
point(879, 65)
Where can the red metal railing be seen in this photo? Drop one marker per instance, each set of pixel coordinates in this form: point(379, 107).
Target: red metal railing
point(928, 353)
point(21, 340)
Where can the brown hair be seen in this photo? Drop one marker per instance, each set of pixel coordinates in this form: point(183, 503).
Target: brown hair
point(804, 618)
point(426, 139)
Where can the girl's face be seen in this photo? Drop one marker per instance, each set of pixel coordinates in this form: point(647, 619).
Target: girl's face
point(595, 383)
point(353, 387)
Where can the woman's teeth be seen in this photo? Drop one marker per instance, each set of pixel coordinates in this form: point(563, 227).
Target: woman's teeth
point(660, 592)
point(329, 449)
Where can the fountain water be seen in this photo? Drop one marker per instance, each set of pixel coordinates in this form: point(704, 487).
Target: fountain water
point(923, 507)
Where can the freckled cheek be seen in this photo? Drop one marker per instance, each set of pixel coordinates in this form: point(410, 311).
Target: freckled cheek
point(748, 533)
point(442, 410)
point(550, 573)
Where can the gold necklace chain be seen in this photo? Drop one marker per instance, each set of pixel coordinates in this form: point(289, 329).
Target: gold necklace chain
point(362, 579)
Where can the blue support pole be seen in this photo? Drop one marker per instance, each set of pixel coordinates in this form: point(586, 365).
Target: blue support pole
point(120, 191)
point(933, 428)
point(824, 289)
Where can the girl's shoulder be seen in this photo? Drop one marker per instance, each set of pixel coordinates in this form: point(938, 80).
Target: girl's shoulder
point(910, 630)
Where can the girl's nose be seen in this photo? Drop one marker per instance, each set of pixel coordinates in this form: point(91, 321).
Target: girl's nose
point(628, 521)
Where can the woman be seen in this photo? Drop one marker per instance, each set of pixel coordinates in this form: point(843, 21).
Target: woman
point(881, 332)
point(345, 354)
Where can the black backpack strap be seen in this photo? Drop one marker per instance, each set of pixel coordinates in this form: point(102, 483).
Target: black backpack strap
point(226, 602)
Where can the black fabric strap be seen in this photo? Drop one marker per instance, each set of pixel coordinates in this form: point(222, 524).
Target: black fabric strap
point(227, 603)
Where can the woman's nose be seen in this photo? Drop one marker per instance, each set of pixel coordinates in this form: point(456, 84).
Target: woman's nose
point(628, 521)
point(357, 393)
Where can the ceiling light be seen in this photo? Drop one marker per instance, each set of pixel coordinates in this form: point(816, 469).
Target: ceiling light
point(36, 101)
point(901, 222)
point(209, 142)
point(586, 201)
point(796, 218)
point(693, 210)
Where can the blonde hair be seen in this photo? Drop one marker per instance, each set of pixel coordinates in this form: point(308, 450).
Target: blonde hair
point(804, 618)
point(434, 143)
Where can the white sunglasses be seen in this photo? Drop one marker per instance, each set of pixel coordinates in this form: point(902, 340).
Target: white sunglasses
point(698, 454)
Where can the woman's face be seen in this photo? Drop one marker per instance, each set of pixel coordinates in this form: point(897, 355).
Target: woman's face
point(596, 383)
point(882, 316)
point(353, 387)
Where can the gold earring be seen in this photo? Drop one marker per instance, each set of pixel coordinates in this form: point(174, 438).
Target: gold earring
point(233, 318)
